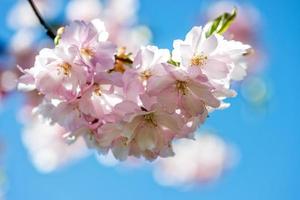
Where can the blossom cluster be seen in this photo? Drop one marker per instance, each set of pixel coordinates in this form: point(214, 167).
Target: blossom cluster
point(132, 105)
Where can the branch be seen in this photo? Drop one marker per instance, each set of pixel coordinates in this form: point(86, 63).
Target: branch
point(41, 20)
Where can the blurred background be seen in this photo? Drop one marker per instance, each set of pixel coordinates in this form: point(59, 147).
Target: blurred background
point(248, 151)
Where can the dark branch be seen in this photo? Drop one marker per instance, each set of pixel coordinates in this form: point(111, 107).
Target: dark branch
point(42, 21)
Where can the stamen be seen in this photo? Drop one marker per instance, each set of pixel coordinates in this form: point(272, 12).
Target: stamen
point(119, 67)
point(181, 87)
point(125, 141)
point(150, 119)
point(97, 90)
point(145, 75)
point(66, 67)
point(87, 52)
point(198, 60)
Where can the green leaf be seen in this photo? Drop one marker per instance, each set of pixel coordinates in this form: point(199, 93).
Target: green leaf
point(221, 23)
point(173, 62)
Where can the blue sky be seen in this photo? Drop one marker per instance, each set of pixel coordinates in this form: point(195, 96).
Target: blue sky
point(268, 142)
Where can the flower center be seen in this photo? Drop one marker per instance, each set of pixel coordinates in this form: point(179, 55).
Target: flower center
point(125, 141)
point(66, 68)
point(119, 67)
point(198, 60)
point(181, 87)
point(87, 52)
point(97, 90)
point(121, 60)
point(145, 75)
point(150, 119)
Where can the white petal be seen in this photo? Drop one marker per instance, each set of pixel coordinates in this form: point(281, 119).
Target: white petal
point(208, 45)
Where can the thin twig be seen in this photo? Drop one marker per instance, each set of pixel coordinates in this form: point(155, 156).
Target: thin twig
point(49, 32)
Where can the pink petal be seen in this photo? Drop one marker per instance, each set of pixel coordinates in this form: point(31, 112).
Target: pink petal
point(157, 83)
point(192, 104)
point(168, 121)
point(202, 92)
point(168, 99)
point(126, 107)
point(106, 134)
point(215, 69)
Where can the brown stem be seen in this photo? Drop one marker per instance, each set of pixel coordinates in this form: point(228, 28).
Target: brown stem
point(49, 32)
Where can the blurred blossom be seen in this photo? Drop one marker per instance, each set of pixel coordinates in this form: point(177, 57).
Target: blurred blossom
point(83, 9)
point(47, 148)
point(122, 12)
point(113, 11)
point(132, 38)
point(195, 162)
point(22, 15)
point(8, 80)
point(22, 40)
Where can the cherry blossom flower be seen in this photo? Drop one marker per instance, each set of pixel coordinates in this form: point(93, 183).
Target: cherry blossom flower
point(147, 64)
point(56, 75)
point(99, 100)
point(220, 60)
point(179, 89)
point(214, 56)
point(89, 39)
point(198, 51)
point(84, 9)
